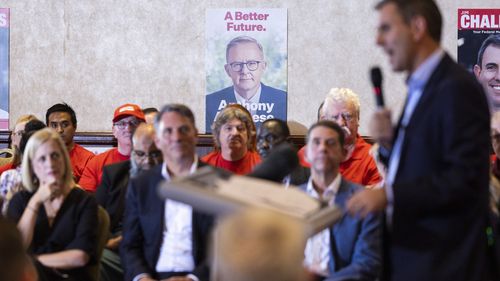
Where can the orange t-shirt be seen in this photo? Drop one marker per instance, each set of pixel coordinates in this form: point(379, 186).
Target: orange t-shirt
point(79, 157)
point(92, 174)
point(360, 168)
point(241, 167)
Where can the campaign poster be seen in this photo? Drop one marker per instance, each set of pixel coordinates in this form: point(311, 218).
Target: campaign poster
point(479, 49)
point(4, 68)
point(246, 62)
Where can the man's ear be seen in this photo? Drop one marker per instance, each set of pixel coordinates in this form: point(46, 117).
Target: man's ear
point(418, 27)
point(477, 70)
point(227, 68)
point(114, 131)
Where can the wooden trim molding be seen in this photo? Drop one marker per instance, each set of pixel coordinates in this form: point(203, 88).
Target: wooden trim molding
point(107, 139)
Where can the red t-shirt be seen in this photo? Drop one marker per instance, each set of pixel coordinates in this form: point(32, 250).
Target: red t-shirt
point(92, 174)
point(79, 157)
point(241, 167)
point(6, 167)
point(360, 168)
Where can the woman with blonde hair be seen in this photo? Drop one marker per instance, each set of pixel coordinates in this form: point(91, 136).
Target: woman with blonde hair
point(57, 221)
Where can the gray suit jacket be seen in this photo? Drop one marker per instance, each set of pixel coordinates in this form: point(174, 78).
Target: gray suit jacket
point(355, 243)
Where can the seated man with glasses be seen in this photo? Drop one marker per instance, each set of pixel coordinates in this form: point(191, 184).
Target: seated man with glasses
point(341, 106)
point(111, 193)
point(126, 118)
point(245, 66)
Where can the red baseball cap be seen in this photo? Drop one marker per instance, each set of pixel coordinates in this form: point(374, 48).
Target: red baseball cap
point(128, 109)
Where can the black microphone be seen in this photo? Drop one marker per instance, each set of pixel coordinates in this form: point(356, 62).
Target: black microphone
point(278, 164)
point(376, 77)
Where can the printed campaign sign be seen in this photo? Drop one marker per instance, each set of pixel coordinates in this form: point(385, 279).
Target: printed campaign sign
point(246, 62)
point(479, 49)
point(4, 68)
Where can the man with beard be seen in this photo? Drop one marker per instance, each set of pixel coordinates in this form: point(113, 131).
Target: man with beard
point(111, 193)
point(342, 106)
point(126, 118)
point(234, 137)
point(271, 134)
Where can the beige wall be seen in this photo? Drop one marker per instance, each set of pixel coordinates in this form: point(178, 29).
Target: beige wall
point(96, 55)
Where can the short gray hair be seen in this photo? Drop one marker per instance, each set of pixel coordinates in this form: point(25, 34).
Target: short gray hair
point(259, 245)
point(241, 40)
point(342, 95)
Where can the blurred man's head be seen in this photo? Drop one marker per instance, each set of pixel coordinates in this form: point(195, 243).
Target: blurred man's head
point(259, 245)
point(342, 106)
point(408, 31)
point(245, 65)
point(487, 69)
point(234, 132)
point(62, 118)
point(126, 118)
point(272, 133)
point(325, 147)
point(150, 114)
point(144, 154)
point(176, 133)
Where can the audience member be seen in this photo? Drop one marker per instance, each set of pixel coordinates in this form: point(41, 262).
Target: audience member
point(11, 180)
point(58, 221)
point(352, 248)
point(166, 238)
point(16, 265)
point(15, 137)
point(62, 118)
point(150, 114)
point(436, 190)
point(126, 118)
point(259, 245)
point(111, 193)
point(272, 133)
point(234, 138)
point(342, 106)
point(494, 231)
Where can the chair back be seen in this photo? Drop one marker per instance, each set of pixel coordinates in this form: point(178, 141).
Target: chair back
point(102, 239)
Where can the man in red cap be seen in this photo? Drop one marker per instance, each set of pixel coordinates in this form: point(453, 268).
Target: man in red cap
point(127, 117)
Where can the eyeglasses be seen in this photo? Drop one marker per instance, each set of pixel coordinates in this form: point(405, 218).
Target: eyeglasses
point(18, 133)
point(152, 154)
point(251, 65)
point(496, 137)
point(123, 124)
point(346, 116)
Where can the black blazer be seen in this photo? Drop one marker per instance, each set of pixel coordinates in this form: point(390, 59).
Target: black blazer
point(143, 228)
point(110, 194)
point(441, 187)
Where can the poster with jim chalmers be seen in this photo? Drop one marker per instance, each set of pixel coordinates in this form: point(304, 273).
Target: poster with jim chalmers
point(4, 68)
point(479, 49)
point(246, 62)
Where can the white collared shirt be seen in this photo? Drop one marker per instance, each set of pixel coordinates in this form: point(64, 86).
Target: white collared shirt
point(176, 252)
point(251, 104)
point(317, 252)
